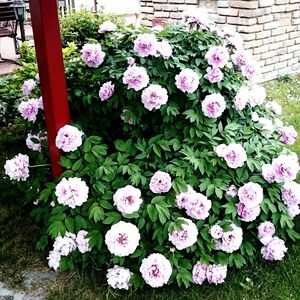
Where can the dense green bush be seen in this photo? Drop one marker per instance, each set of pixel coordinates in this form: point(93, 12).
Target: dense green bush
point(212, 138)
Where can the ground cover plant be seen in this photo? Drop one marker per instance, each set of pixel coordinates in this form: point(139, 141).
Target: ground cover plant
point(175, 165)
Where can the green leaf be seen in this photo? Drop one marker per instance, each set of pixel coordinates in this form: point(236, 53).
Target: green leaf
point(65, 162)
point(95, 239)
point(69, 222)
point(96, 212)
point(179, 185)
point(152, 213)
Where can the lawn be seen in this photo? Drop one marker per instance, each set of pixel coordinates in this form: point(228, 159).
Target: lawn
point(260, 280)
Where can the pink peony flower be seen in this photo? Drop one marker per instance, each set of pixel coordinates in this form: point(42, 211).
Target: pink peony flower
point(234, 155)
point(257, 95)
point(29, 109)
point(128, 199)
point(163, 49)
point(40, 103)
point(217, 56)
point(291, 193)
point(145, 44)
point(268, 173)
point(247, 214)
point(251, 194)
point(216, 274)
point(154, 96)
point(232, 191)
point(285, 168)
point(136, 77)
point(187, 81)
point(122, 239)
point(92, 55)
point(17, 168)
point(255, 117)
point(240, 58)
point(274, 107)
point(28, 86)
point(213, 74)
point(34, 142)
point(241, 99)
point(266, 229)
point(156, 270)
point(182, 199)
point(198, 207)
point(54, 259)
point(293, 211)
point(213, 105)
point(199, 273)
point(130, 61)
point(233, 38)
point(160, 182)
point(65, 245)
point(119, 278)
point(106, 90)
point(274, 250)
point(82, 242)
point(68, 138)
point(71, 192)
point(198, 16)
point(186, 237)
point(231, 240)
point(107, 26)
point(251, 70)
point(288, 134)
point(221, 150)
point(216, 231)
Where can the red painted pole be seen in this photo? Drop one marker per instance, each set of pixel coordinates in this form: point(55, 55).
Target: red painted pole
point(51, 70)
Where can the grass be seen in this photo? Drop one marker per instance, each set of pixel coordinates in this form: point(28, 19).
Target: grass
point(261, 280)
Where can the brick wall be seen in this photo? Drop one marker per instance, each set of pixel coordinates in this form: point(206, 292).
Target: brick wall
point(270, 28)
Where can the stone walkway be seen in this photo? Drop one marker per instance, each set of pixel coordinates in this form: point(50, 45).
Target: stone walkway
point(7, 50)
point(33, 287)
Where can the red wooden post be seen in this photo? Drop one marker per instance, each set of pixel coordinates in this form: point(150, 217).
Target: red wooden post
point(51, 70)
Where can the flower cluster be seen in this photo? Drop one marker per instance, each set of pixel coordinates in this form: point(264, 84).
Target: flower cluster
point(215, 274)
point(234, 154)
point(228, 240)
point(274, 250)
point(213, 105)
point(283, 169)
point(186, 236)
point(254, 95)
point(250, 196)
point(291, 198)
point(195, 204)
point(122, 239)
point(160, 182)
point(29, 109)
point(17, 168)
point(156, 270)
point(68, 138)
point(118, 277)
point(63, 246)
point(71, 192)
point(127, 199)
point(92, 55)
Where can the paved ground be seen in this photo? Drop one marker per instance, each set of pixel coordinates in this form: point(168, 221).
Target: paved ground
point(8, 51)
point(33, 287)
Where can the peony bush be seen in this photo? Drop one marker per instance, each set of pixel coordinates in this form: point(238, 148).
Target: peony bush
point(176, 169)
